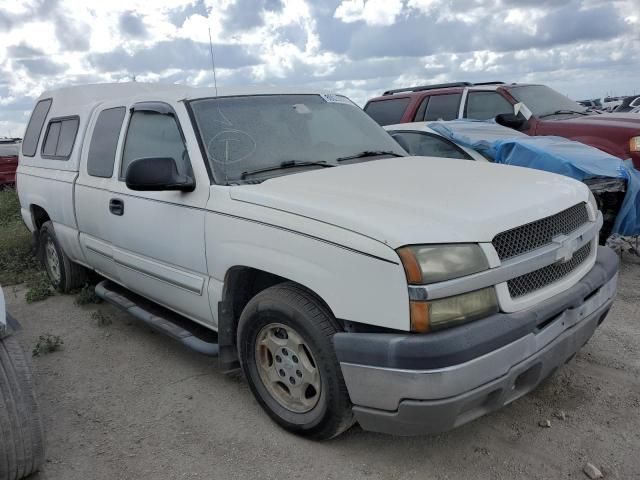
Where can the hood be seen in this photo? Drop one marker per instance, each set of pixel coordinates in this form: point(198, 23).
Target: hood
point(615, 119)
point(412, 200)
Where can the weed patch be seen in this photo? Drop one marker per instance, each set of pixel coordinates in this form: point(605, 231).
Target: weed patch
point(87, 295)
point(39, 288)
point(102, 319)
point(47, 343)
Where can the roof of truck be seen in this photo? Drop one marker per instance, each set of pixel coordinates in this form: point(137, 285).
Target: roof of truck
point(102, 92)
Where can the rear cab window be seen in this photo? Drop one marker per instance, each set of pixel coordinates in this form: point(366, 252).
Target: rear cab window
point(60, 137)
point(387, 112)
point(104, 142)
point(34, 128)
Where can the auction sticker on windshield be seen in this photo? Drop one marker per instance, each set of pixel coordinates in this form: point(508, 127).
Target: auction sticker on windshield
point(333, 98)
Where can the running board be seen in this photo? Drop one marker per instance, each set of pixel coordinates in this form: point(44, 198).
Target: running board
point(191, 334)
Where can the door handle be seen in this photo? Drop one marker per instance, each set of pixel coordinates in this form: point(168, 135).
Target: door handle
point(116, 206)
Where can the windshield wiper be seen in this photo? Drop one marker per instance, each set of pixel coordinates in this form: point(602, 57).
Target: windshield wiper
point(369, 153)
point(284, 165)
point(560, 112)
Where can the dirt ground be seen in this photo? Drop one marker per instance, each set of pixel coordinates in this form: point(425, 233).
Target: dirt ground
point(122, 402)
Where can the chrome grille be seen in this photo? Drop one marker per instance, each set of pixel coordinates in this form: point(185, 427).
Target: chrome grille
point(541, 232)
point(538, 279)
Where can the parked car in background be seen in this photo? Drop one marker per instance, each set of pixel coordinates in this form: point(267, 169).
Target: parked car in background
point(9, 148)
point(595, 104)
point(287, 231)
point(609, 104)
point(531, 109)
point(419, 139)
point(628, 104)
point(21, 432)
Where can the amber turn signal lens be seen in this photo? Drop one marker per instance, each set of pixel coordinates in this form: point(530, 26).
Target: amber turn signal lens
point(411, 266)
point(419, 316)
point(634, 144)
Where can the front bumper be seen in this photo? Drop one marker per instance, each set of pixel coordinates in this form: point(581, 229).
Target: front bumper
point(416, 384)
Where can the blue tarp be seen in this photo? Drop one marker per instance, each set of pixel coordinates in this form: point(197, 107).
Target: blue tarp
point(551, 154)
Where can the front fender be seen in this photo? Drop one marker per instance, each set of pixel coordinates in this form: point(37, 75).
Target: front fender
point(355, 285)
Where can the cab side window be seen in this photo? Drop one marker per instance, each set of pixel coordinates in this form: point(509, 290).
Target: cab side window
point(154, 135)
point(387, 112)
point(104, 141)
point(443, 107)
point(486, 105)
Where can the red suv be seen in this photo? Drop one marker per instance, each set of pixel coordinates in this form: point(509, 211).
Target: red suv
point(9, 148)
point(532, 109)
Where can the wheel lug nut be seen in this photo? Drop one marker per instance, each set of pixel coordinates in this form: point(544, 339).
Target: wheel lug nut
point(294, 358)
point(299, 373)
point(284, 352)
point(281, 372)
point(278, 358)
point(292, 380)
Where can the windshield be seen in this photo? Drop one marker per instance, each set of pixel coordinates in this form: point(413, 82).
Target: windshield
point(245, 134)
point(542, 100)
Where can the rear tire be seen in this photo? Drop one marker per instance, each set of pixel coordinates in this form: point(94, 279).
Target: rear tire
point(22, 445)
point(285, 328)
point(63, 274)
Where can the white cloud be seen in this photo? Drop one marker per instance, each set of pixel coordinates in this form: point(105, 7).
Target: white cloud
point(373, 12)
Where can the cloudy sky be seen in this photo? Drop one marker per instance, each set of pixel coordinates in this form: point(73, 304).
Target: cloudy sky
point(583, 48)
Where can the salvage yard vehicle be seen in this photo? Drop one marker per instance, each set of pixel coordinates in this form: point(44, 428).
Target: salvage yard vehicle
point(21, 433)
point(431, 139)
point(287, 233)
point(9, 148)
point(531, 109)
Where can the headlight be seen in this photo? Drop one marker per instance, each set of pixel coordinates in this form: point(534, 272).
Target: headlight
point(430, 264)
point(451, 311)
point(634, 144)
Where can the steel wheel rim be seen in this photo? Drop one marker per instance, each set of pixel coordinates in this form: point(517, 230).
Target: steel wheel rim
point(52, 259)
point(287, 368)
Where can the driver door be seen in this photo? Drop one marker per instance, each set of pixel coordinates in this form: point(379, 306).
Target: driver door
point(158, 237)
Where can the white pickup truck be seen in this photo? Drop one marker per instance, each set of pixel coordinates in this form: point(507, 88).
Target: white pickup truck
point(286, 231)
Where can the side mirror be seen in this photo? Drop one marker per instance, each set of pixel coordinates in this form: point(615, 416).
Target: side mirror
point(157, 174)
point(510, 120)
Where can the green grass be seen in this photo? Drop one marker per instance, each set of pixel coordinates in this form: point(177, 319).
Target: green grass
point(17, 262)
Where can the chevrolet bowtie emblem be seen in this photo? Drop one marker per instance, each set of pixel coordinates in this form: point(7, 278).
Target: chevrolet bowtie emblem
point(567, 247)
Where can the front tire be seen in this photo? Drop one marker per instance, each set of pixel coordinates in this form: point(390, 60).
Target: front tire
point(22, 445)
point(63, 274)
point(286, 352)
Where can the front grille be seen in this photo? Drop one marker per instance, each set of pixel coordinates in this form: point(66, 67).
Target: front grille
point(541, 232)
point(537, 279)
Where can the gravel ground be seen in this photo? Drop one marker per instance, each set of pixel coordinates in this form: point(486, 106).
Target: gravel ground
point(122, 402)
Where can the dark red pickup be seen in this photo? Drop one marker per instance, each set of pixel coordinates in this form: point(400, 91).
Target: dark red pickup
point(9, 149)
point(551, 113)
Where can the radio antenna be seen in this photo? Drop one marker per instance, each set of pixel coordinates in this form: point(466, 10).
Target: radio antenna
point(213, 64)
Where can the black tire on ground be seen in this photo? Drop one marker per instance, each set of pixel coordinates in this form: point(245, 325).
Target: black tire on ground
point(295, 307)
point(71, 275)
point(22, 445)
